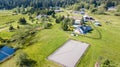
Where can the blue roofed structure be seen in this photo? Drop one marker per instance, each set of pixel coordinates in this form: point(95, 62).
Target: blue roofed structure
point(5, 53)
point(2, 56)
point(83, 29)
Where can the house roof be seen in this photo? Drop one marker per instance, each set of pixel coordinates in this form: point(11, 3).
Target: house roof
point(77, 21)
point(85, 29)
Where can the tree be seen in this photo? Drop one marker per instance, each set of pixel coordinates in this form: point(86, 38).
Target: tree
point(23, 60)
point(92, 7)
point(18, 27)
point(82, 21)
point(59, 19)
point(47, 25)
point(118, 8)
point(43, 4)
point(53, 15)
point(50, 12)
point(62, 18)
point(30, 17)
point(66, 24)
point(101, 10)
point(108, 63)
point(94, 10)
point(11, 28)
point(22, 21)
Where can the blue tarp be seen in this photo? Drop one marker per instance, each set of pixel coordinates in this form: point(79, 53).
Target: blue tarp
point(5, 52)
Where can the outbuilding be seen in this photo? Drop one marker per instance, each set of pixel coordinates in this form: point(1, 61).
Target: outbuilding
point(5, 53)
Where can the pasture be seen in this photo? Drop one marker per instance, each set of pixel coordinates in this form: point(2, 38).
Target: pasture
point(104, 43)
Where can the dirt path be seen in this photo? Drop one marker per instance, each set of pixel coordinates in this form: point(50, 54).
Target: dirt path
point(3, 29)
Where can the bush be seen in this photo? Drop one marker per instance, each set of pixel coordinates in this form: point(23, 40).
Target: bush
point(117, 14)
point(50, 12)
point(18, 27)
point(108, 63)
point(23, 60)
point(93, 10)
point(22, 21)
point(118, 8)
point(66, 24)
point(59, 19)
point(11, 28)
point(1, 45)
point(47, 25)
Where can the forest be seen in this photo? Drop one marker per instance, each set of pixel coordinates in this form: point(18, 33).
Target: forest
point(9, 4)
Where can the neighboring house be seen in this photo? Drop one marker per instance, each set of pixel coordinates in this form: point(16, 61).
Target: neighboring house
point(57, 11)
point(83, 29)
point(39, 16)
point(76, 23)
point(82, 11)
point(87, 18)
point(79, 12)
point(112, 9)
point(76, 12)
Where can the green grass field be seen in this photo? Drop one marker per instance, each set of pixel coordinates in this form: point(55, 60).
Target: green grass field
point(103, 43)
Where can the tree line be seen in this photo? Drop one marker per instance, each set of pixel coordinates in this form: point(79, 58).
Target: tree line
point(9, 4)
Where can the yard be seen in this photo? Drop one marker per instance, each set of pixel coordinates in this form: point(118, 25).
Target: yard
point(104, 44)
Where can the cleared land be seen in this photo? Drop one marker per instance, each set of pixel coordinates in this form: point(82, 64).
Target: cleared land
point(69, 54)
point(104, 43)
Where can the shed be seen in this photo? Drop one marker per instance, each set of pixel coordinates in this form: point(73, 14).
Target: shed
point(97, 23)
point(77, 22)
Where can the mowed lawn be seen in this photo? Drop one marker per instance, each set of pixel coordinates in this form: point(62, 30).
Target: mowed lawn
point(104, 43)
